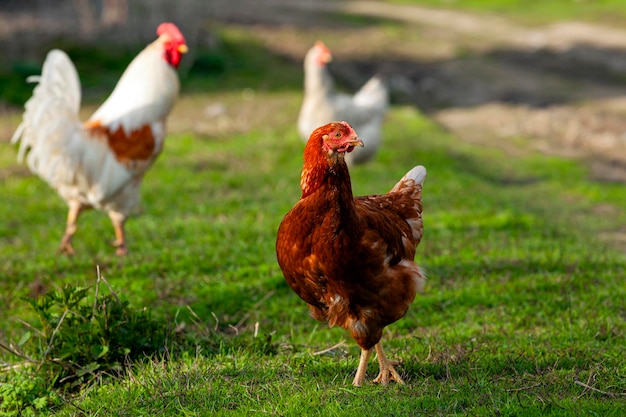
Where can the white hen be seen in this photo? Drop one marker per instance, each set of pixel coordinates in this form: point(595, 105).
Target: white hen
point(100, 164)
point(322, 104)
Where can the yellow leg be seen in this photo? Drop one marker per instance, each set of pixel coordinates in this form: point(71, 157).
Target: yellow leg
point(118, 220)
point(72, 216)
point(360, 371)
point(387, 370)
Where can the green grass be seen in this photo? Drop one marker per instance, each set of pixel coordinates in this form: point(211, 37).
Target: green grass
point(541, 11)
point(522, 299)
point(523, 313)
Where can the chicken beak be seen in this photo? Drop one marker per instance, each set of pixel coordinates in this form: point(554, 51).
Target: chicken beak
point(183, 49)
point(350, 145)
point(357, 142)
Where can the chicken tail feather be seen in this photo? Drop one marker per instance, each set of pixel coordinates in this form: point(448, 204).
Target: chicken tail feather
point(51, 114)
point(411, 185)
point(417, 174)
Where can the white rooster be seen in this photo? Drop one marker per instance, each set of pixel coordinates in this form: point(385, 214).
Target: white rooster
point(100, 163)
point(322, 104)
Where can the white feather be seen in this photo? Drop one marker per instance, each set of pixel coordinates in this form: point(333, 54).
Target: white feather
point(78, 164)
point(417, 174)
point(145, 93)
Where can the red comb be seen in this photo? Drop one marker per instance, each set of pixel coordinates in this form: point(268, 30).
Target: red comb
point(170, 30)
point(323, 47)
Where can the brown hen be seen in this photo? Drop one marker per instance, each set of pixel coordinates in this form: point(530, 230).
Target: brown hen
point(351, 259)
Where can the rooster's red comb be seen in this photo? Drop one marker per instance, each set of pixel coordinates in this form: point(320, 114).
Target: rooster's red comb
point(323, 47)
point(170, 30)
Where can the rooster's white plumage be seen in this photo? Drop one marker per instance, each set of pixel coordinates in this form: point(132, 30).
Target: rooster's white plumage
point(365, 110)
point(100, 163)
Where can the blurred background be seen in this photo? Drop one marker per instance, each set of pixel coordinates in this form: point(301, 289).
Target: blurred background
point(491, 71)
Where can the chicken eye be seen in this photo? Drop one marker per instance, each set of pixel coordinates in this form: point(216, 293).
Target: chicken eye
point(337, 134)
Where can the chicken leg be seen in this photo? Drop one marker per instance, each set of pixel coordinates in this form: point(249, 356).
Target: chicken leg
point(360, 371)
point(75, 208)
point(118, 220)
point(387, 370)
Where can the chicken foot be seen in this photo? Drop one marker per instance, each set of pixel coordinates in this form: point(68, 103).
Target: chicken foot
point(65, 247)
point(120, 239)
point(387, 370)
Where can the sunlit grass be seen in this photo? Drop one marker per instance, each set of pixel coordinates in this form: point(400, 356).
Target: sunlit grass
point(523, 312)
point(521, 301)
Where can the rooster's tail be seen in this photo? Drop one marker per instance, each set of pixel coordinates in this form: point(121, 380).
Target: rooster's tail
point(51, 115)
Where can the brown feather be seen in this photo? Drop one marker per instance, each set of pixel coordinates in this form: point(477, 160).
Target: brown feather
point(138, 145)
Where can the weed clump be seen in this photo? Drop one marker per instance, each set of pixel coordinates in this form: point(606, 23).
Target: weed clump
point(77, 341)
